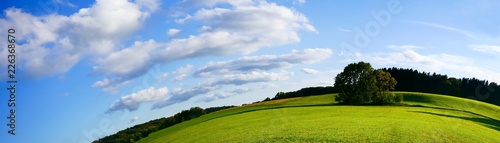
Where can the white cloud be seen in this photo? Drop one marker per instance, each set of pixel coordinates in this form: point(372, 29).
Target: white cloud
point(452, 65)
point(225, 94)
point(123, 65)
point(111, 85)
point(244, 78)
point(133, 119)
point(182, 72)
point(132, 101)
point(180, 95)
point(491, 49)
point(264, 62)
point(173, 32)
point(55, 43)
point(309, 71)
point(109, 25)
point(134, 59)
point(244, 27)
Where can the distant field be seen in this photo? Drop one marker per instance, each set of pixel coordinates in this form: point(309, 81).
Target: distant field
point(431, 118)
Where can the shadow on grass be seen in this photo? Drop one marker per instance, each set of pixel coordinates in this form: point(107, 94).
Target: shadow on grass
point(484, 120)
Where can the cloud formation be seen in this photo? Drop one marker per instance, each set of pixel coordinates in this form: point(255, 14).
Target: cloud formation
point(491, 49)
point(264, 62)
point(181, 95)
point(251, 77)
point(54, 43)
point(182, 72)
point(244, 26)
point(236, 72)
point(225, 94)
point(133, 101)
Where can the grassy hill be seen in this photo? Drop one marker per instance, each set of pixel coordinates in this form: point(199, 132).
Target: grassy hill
point(429, 118)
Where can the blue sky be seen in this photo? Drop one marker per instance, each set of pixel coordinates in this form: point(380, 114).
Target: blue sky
point(87, 69)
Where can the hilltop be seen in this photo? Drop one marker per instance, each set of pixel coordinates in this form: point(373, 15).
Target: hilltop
point(424, 118)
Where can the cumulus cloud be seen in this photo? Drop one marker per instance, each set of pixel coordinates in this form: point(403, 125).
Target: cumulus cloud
point(132, 101)
point(491, 49)
point(264, 62)
point(245, 28)
point(129, 61)
point(55, 43)
point(123, 65)
point(309, 71)
point(242, 28)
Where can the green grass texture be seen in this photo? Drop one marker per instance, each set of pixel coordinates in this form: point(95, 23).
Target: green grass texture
point(424, 118)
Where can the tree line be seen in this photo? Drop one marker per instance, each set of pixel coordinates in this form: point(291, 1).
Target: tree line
point(140, 131)
point(305, 92)
point(415, 81)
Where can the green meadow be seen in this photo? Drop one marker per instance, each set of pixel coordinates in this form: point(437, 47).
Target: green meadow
point(423, 118)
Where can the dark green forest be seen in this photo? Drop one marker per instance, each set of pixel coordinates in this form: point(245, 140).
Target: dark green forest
point(413, 80)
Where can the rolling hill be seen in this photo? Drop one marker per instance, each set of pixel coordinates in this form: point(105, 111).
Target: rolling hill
point(425, 118)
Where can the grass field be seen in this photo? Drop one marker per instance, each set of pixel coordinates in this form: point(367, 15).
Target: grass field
point(430, 118)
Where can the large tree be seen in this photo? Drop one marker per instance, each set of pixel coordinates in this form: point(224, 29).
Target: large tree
point(359, 83)
point(383, 83)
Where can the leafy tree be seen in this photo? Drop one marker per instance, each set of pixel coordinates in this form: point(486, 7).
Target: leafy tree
point(383, 83)
point(353, 83)
point(359, 83)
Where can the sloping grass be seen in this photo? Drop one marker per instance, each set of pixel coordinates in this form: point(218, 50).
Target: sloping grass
point(430, 118)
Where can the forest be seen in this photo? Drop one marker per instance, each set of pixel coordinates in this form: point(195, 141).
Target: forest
point(413, 80)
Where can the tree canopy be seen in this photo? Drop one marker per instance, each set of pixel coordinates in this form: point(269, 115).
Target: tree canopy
point(359, 83)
